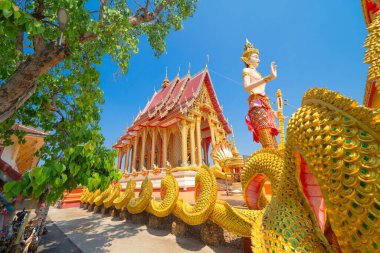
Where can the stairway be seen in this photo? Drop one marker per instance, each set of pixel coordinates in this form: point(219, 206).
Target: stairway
point(72, 199)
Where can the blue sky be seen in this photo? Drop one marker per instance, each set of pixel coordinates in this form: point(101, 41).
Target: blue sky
point(314, 43)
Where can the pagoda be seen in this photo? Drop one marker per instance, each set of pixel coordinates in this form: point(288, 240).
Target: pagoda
point(179, 125)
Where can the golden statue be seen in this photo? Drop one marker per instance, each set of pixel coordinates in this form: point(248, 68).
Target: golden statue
point(261, 118)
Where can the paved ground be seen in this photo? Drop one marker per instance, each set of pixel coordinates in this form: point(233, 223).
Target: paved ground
point(56, 241)
point(76, 230)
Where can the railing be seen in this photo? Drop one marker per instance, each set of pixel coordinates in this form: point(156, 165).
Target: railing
point(229, 183)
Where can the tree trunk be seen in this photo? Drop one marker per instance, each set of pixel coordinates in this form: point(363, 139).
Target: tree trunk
point(22, 83)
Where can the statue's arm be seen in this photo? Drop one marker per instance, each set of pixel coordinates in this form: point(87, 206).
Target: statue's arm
point(248, 85)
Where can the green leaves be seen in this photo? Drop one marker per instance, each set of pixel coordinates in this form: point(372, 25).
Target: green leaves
point(5, 5)
point(7, 13)
point(68, 99)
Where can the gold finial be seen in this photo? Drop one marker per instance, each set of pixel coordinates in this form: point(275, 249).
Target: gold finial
point(188, 70)
point(179, 70)
point(207, 60)
point(248, 50)
point(234, 149)
point(281, 119)
point(165, 83)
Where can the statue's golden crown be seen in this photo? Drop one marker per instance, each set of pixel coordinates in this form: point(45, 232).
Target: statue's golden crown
point(248, 49)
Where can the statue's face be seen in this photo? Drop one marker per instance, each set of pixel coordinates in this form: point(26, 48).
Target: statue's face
point(254, 60)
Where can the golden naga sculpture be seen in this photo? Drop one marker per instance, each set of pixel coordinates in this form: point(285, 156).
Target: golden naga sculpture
point(333, 145)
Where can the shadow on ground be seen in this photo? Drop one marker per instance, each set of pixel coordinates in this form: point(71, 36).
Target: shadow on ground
point(86, 233)
point(55, 241)
point(93, 233)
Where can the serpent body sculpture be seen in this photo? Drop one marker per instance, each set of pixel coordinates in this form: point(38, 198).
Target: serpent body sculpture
point(84, 195)
point(169, 196)
point(124, 198)
point(115, 192)
point(89, 197)
point(341, 143)
point(205, 196)
point(138, 205)
point(99, 199)
point(263, 165)
point(325, 185)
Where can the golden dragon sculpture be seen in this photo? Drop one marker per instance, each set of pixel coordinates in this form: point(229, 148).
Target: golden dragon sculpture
point(325, 185)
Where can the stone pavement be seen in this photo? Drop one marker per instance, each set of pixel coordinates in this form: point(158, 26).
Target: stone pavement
point(90, 233)
point(56, 241)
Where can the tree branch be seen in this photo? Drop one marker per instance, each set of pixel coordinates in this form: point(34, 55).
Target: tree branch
point(38, 12)
point(137, 3)
point(22, 84)
point(66, 102)
point(147, 16)
point(19, 46)
point(103, 3)
point(142, 15)
point(38, 44)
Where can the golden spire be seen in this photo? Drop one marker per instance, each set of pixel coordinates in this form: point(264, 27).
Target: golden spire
point(280, 115)
point(165, 83)
point(234, 150)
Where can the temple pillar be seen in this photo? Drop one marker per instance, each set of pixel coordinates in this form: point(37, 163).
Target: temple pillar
point(127, 156)
point(136, 142)
point(153, 148)
point(192, 144)
point(119, 159)
point(183, 128)
point(198, 140)
point(143, 148)
point(217, 135)
point(212, 131)
point(164, 147)
point(205, 152)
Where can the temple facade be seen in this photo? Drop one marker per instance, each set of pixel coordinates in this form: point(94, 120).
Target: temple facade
point(179, 125)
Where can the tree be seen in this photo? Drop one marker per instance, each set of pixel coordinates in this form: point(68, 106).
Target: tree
point(33, 24)
point(56, 87)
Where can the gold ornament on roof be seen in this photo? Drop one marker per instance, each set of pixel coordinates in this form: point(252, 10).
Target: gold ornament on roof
point(372, 44)
point(165, 83)
point(248, 50)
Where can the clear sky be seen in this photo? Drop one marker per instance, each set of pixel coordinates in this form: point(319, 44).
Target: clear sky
point(314, 43)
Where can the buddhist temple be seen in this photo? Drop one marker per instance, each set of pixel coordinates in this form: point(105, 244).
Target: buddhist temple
point(180, 125)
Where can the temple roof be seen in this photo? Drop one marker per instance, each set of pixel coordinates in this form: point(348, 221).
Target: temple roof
point(29, 130)
point(168, 105)
point(24, 158)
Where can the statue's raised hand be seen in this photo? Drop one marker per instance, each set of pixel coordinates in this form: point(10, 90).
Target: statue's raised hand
point(273, 69)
